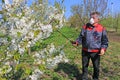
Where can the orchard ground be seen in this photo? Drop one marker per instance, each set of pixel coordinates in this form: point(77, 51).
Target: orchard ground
point(109, 68)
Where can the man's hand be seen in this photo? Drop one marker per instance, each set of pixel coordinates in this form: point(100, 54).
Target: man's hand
point(102, 52)
point(74, 43)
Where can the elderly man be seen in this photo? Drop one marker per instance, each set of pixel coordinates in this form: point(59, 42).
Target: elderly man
point(94, 42)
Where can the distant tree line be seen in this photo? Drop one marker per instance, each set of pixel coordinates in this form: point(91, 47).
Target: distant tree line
point(81, 12)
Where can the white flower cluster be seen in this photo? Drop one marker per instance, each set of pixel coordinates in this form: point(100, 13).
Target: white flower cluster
point(5, 69)
point(3, 41)
point(24, 27)
point(52, 62)
point(50, 56)
point(36, 75)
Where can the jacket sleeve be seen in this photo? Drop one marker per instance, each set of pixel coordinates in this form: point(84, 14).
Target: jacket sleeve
point(79, 39)
point(104, 40)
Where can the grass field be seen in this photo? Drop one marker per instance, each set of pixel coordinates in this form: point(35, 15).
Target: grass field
point(110, 62)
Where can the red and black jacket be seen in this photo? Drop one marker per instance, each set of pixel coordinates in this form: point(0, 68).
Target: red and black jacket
point(93, 38)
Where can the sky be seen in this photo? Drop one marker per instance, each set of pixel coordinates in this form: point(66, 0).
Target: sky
point(114, 8)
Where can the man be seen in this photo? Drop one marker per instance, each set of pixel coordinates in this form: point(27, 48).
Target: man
point(94, 42)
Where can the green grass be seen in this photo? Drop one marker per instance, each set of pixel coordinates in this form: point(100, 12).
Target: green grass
point(110, 62)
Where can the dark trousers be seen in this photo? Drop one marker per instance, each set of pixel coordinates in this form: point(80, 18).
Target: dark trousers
point(86, 56)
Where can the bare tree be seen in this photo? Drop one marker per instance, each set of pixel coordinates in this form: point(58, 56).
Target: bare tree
point(117, 17)
point(84, 9)
point(78, 10)
point(95, 5)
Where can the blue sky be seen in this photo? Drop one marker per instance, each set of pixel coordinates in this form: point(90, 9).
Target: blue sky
point(69, 3)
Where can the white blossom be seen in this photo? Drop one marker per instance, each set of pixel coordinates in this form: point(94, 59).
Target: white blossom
point(36, 74)
point(7, 2)
point(25, 30)
point(21, 50)
point(13, 41)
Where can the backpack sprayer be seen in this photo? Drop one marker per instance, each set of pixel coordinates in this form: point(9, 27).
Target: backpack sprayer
point(71, 41)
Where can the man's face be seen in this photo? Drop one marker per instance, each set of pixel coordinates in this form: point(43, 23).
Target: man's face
point(95, 18)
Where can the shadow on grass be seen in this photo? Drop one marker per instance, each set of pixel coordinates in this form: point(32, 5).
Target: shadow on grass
point(17, 75)
point(71, 70)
